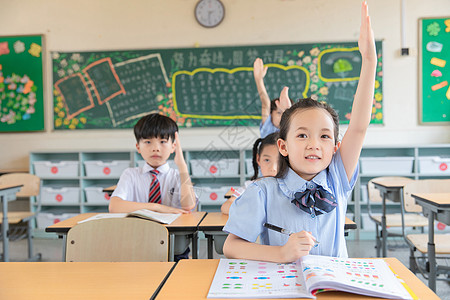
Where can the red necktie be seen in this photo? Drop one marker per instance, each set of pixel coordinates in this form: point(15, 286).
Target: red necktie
point(154, 195)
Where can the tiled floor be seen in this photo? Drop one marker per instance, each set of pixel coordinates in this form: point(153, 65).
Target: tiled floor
point(51, 250)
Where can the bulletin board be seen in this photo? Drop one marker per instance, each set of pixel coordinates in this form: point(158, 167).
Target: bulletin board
point(434, 61)
point(21, 83)
point(201, 87)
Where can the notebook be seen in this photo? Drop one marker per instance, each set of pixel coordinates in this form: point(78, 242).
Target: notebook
point(306, 277)
point(163, 218)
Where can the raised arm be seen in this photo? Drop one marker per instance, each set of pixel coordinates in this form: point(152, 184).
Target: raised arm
point(362, 104)
point(188, 199)
point(259, 71)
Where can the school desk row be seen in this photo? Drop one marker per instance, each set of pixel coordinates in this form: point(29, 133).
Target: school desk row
point(188, 225)
point(187, 279)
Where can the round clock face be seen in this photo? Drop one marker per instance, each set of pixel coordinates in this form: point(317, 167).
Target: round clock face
point(209, 13)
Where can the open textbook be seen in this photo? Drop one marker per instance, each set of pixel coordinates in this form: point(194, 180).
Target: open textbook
point(304, 278)
point(142, 213)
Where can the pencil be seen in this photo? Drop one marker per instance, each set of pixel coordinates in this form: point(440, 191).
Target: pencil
point(284, 231)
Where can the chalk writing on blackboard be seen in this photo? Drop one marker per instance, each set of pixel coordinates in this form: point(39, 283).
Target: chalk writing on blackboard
point(203, 87)
point(143, 78)
point(104, 80)
point(75, 93)
point(230, 93)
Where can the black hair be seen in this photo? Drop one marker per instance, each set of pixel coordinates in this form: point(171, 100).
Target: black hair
point(273, 104)
point(271, 139)
point(285, 123)
point(155, 126)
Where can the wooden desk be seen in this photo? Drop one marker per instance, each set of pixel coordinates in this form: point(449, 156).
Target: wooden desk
point(109, 190)
point(186, 224)
point(81, 280)
point(8, 171)
point(435, 206)
point(191, 279)
point(7, 193)
point(214, 222)
point(393, 190)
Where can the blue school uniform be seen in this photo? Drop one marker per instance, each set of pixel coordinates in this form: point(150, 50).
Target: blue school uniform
point(269, 200)
point(267, 127)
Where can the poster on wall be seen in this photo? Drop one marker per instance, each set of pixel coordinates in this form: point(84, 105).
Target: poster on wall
point(434, 72)
point(202, 87)
point(21, 83)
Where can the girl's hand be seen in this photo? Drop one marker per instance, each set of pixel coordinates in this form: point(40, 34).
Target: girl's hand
point(284, 102)
point(259, 71)
point(298, 245)
point(366, 42)
point(179, 158)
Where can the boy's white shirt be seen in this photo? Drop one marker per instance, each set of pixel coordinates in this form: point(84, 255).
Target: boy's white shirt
point(134, 185)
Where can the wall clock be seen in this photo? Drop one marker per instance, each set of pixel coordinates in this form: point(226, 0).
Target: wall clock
point(209, 13)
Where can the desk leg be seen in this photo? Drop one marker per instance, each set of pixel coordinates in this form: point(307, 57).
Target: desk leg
point(5, 227)
point(171, 247)
point(64, 238)
point(383, 227)
point(195, 245)
point(431, 252)
point(210, 245)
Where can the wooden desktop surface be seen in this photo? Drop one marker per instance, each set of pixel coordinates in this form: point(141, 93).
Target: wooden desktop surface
point(15, 217)
point(436, 199)
point(191, 279)
point(214, 220)
point(81, 280)
point(391, 182)
point(9, 186)
point(185, 221)
point(110, 189)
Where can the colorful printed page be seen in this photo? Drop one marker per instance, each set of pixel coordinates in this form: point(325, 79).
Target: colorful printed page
point(370, 277)
point(236, 278)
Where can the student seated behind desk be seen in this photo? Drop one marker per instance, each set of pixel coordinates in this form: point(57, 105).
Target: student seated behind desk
point(265, 158)
point(156, 186)
point(271, 110)
point(315, 176)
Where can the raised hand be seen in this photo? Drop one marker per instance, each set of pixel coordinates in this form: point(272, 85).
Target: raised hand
point(284, 102)
point(259, 71)
point(366, 42)
point(179, 158)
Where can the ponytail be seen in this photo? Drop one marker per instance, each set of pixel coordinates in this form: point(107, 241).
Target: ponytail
point(258, 147)
point(254, 160)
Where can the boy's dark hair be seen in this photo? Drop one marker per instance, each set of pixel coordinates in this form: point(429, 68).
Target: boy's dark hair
point(271, 139)
point(273, 105)
point(155, 125)
point(285, 123)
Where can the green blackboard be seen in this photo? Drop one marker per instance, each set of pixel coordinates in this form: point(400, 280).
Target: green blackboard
point(434, 70)
point(201, 87)
point(21, 84)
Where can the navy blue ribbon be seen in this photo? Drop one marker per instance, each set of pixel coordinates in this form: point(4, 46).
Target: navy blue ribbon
point(315, 201)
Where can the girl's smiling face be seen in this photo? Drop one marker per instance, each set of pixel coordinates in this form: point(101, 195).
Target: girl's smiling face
point(310, 142)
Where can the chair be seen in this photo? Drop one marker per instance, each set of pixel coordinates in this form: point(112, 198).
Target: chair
point(392, 220)
point(20, 222)
point(117, 240)
point(419, 242)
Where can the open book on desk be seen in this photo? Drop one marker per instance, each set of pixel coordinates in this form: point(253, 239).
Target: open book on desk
point(163, 218)
point(304, 278)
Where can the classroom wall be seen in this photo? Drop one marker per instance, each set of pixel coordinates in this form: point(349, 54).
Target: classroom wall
point(142, 24)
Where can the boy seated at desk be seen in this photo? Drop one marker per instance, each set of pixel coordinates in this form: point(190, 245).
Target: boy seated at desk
point(156, 186)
